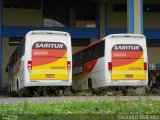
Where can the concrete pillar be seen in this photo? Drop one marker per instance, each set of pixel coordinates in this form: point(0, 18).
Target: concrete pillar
point(135, 16)
point(102, 18)
point(0, 47)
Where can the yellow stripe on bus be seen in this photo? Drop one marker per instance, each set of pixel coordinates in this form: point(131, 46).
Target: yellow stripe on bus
point(55, 77)
point(137, 65)
point(53, 71)
point(128, 75)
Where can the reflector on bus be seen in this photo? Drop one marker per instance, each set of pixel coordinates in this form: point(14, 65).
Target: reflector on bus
point(145, 65)
point(109, 65)
point(68, 65)
point(29, 65)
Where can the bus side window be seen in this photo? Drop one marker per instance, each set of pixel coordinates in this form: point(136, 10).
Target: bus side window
point(83, 57)
point(73, 61)
point(101, 49)
point(80, 58)
point(96, 51)
point(23, 46)
point(8, 67)
point(86, 56)
point(93, 52)
point(89, 55)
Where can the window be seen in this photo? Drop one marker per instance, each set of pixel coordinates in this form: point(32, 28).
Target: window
point(80, 42)
point(29, 4)
point(14, 40)
point(101, 49)
point(119, 7)
point(151, 8)
point(69, 13)
point(88, 54)
point(18, 53)
point(153, 43)
point(56, 13)
point(146, 7)
point(94, 52)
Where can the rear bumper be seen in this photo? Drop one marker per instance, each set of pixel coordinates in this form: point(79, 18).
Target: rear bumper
point(47, 83)
point(126, 83)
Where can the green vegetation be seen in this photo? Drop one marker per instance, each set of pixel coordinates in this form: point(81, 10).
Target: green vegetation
point(78, 109)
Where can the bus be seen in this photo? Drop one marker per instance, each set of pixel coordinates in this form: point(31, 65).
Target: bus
point(116, 60)
point(42, 58)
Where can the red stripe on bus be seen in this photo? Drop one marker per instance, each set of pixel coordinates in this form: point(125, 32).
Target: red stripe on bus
point(46, 56)
point(127, 54)
point(90, 65)
point(48, 52)
point(18, 64)
point(121, 62)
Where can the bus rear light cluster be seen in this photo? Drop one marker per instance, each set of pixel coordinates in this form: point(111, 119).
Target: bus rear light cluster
point(68, 65)
point(145, 65)
point(29, 65)
point(109, 65)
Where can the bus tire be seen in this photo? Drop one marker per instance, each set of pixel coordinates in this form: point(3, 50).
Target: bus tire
point(90, 84)
point(17, 85)
point(67, 91)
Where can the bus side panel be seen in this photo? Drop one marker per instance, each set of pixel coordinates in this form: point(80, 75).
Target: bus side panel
point(98, 74)
point(93, 70)
point(21, 74)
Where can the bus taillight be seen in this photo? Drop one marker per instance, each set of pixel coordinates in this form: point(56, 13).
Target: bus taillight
point(68, 65)
point(145, 65)
point(29, 65)
point(109, 65)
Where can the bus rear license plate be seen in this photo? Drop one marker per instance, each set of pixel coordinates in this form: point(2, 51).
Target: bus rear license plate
point(49, 75)
point(129, 76)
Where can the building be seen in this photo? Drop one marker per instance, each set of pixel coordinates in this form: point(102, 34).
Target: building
point(85, 20)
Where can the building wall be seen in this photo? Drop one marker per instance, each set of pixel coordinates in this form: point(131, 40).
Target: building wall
point(151, 20)
point(22, 17)
point(119, 19)
point(6, 52)
point(115, 19)
point(34, 17)
point(153, 55)
point(17, 17)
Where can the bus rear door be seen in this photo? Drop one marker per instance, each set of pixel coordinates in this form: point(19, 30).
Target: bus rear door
point(128, 62)
point(49, 57)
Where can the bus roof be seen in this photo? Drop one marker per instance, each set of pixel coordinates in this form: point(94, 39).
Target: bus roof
point(47, 32)
point(125, 35)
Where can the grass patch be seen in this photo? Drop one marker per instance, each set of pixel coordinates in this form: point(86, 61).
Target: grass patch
point(101, 107)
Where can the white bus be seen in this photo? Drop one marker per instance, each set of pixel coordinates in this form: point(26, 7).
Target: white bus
point(43, 58)
point(116, 60)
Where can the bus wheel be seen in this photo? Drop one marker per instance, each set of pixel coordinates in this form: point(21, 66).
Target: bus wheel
point(17, 85)
point(90, 84)
point(67, 91)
